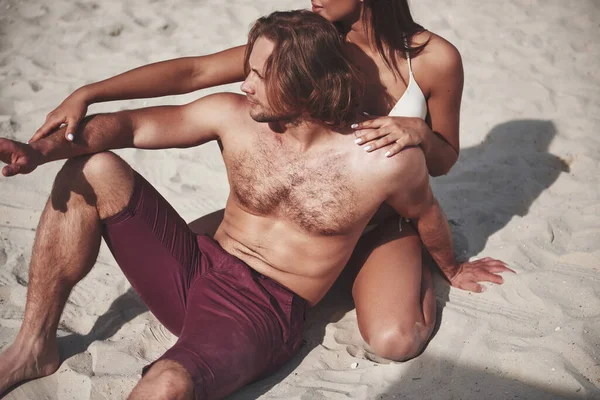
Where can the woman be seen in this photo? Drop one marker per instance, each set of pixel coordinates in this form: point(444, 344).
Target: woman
point(393, 292)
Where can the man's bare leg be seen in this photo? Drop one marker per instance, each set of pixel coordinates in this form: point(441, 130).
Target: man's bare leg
point(86, 190)
point(165, 380)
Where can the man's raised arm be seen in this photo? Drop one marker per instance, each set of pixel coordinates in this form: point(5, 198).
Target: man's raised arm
point(411, 197)
point(149, 128)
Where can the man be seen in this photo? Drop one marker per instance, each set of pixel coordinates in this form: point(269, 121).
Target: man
point(301, 195)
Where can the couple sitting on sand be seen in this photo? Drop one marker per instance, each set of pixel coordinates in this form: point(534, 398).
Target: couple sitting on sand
point(302, 193)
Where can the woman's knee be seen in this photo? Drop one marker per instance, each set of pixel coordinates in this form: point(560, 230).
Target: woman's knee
point(400, 343)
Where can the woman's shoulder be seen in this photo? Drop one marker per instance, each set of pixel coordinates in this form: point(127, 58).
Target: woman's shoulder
point(438, 59)
point(437, 50)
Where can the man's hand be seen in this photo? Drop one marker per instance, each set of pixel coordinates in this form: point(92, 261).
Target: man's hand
point(20, 158)
point(484, 270)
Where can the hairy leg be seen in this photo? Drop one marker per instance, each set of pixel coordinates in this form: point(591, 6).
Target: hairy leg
point(393, 292)
point(86, 190)
point(165, 380)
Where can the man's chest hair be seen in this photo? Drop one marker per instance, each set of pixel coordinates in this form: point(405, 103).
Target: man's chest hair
point(315, 191)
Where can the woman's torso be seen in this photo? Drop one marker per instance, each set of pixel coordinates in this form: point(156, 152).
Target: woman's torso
point(387, 92)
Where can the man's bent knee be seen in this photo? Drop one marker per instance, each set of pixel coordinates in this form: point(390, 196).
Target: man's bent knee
point(165, 380)
point(400, 344)
point(104, 180)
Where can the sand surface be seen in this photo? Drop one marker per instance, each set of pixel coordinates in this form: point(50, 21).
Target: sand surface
point(526, 189)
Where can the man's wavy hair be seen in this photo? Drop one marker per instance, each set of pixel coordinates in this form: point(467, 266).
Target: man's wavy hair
point(307, 72)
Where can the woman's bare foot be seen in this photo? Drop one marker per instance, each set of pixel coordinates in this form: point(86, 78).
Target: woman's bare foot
point(21, 361)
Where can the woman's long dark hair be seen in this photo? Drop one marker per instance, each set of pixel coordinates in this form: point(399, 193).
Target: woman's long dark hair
point(392, 27)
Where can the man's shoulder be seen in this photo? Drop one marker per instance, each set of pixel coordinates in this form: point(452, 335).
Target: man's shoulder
point(224, 111)
point(408, 161)
point(229, 102)
point(405, 169)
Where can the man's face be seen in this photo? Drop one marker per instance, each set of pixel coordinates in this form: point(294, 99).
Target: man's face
point(254, 86)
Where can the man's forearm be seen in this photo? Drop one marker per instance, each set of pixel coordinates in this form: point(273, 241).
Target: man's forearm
point(96, 133)
point(435, 233)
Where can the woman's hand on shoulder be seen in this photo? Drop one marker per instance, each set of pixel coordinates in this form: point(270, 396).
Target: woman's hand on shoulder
point(391, 133)
point(69, 113)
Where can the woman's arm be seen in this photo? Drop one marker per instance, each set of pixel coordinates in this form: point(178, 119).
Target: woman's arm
point(178, 76)
point(182, 75)
point(445, 77)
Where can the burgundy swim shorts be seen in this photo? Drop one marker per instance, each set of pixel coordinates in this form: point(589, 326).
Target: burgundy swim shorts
point(233, 324)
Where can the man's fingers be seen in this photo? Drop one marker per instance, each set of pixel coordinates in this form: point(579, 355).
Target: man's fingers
point(11, 170)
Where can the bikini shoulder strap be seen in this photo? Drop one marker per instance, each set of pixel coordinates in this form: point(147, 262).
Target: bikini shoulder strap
point(408, 56)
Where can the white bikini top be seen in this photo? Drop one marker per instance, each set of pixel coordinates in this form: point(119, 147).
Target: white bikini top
point(412, 103)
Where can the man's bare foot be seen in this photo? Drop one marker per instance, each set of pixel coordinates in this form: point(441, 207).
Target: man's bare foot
point(23, 362)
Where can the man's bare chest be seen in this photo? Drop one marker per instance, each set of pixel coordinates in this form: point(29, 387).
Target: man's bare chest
point(314, 191)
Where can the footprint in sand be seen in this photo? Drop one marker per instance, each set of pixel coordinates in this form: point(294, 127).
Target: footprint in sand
point(3, 256)
point(35, 86)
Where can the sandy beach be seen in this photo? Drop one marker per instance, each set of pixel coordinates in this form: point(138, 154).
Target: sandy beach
point(526, 190)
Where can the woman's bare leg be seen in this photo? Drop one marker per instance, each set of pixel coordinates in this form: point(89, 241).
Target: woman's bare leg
point(393, 292)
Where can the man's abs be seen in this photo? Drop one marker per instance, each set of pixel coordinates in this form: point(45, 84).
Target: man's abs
point(306, 264)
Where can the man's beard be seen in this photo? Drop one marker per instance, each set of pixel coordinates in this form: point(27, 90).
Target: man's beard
point(264, 116)
point(269, 116)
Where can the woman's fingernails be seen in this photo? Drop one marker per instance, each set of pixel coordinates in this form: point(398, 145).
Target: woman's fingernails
point(389, 153)
point(358, 141)
point(354, 126)
point(70, 137)
point(367, 148)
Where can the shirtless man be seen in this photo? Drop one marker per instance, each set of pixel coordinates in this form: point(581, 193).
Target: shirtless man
point(300, 199)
